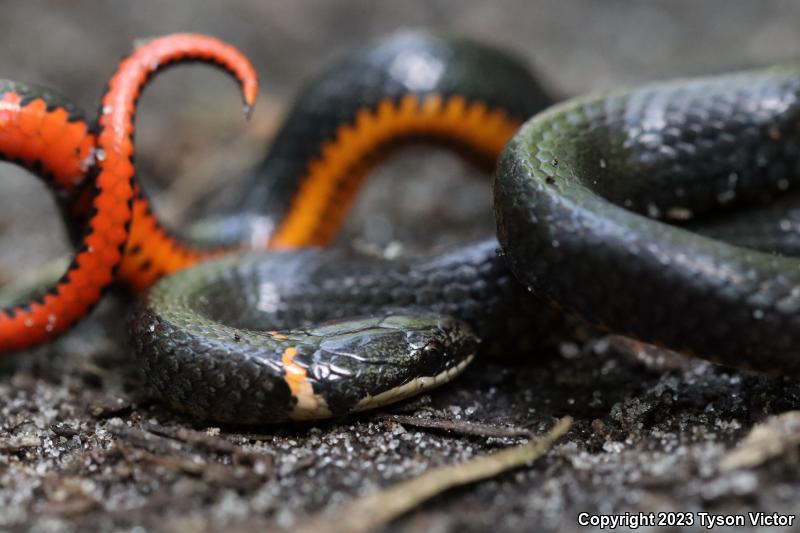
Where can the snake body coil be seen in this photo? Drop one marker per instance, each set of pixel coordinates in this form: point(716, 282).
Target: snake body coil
point(666, 213)
point(90, 168)
point(584, 191)
point(590, 197)
point(219, 361)
point(680, 150)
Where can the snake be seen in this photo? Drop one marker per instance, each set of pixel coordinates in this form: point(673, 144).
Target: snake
point(664, 212)
point(90, 168)
point(611, 208)
point(310, 333)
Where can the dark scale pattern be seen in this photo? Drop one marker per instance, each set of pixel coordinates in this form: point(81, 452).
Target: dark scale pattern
point(53, 100)
point(285, 290)
point(202, 333)
point(412, 63)
point(582, 199)
point(191, 335)
point(574, 183)
point(769, 227)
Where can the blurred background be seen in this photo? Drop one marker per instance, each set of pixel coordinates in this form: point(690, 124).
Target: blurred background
point(192, 140)
point(648, 436)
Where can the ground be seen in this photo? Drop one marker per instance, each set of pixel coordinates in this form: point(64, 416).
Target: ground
point(85, 446)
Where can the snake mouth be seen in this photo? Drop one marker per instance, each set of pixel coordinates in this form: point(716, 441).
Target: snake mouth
point(314, 406)
point(415, 386)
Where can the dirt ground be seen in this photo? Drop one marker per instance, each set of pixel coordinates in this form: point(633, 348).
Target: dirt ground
point(85, 446)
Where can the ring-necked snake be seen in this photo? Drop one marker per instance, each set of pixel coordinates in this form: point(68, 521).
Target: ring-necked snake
point(92, 173)
point(607, 206)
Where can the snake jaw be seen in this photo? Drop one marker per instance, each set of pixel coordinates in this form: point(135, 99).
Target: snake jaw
point(368, 363)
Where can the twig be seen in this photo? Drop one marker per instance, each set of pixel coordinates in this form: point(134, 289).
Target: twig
point(146, 441)
point(212, 443)
point(197, 438)
point(464, 428)
point(376, 510)
point(18, 444)
point(776, 436)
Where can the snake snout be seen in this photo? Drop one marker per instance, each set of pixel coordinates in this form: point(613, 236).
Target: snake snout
point(384, 360)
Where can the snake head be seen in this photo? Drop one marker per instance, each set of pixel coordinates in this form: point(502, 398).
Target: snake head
point(363, 364)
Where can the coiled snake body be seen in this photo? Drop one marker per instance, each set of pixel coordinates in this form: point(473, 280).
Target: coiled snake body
point(664, 212)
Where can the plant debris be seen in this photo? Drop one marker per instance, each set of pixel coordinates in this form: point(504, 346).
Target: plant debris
point(375, 510)
point(778, 435)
